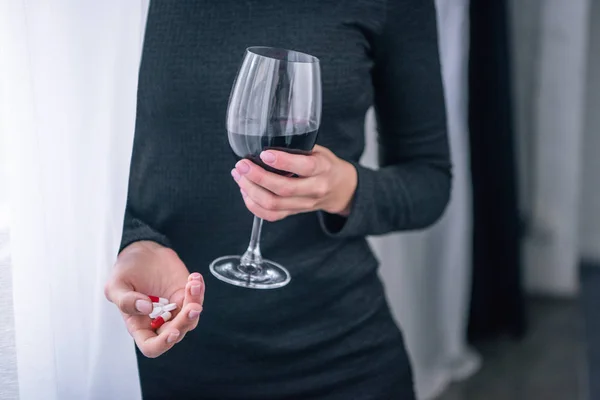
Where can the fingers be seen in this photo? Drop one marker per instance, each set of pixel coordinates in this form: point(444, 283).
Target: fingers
point(187, 318)
point(126, 299)
point(272, 202)
point(260, 212)
point(147, 340)
point(194, 291)
point(152, 345)
point(280, 185)
point(301, 165)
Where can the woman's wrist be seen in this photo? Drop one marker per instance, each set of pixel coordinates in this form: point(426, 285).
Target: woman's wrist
point(347, 178)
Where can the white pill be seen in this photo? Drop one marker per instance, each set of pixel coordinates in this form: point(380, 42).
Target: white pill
point(169, 307)
point(156, 312)
point(165, 316)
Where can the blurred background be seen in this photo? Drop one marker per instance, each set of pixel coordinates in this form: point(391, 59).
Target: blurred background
point(496, 300)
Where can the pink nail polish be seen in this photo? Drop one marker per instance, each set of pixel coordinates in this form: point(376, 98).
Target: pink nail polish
point(172, 337)
point(267, 157)
point(243, 167)
point(143, 306)
point(235, 175)
point(195, 276)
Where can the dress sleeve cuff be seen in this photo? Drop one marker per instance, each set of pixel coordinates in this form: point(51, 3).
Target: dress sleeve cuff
point(356, 224)
point(135, 230)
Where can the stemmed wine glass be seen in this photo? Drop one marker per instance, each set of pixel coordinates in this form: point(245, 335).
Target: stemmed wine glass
point(275, 103)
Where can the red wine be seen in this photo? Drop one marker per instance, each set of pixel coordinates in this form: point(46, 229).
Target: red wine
point(250, 146)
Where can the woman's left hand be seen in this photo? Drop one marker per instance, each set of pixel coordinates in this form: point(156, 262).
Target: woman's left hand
point(325, 182)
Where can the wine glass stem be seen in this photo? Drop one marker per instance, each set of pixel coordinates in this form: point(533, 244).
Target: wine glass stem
point(252, 259)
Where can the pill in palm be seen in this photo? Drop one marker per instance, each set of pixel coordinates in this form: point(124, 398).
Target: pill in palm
point(160, 300)
point(156, 312)
point(169, 307)
point(159, 321)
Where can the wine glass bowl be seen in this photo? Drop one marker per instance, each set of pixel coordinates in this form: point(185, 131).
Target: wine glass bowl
point(275, 103)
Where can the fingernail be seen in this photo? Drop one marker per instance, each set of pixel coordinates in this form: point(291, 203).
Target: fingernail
point(236, 175)
point(267, 157)
point(243, 192)
point(196, 276)
point(143, 306)
point(196, 290)
point(193, 314)
point(172, 337)
point(242, 167)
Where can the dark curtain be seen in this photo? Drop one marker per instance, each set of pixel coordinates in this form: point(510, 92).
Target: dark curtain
point(590, 298)
point(497, 305)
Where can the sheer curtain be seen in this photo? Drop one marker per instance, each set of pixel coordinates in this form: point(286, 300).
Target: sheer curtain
point(68, 86)
point(428, 274)
point(8, 367)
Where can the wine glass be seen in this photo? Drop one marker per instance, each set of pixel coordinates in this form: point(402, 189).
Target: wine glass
point(275, 103)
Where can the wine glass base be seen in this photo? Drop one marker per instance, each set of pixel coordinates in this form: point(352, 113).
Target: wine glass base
point(270, 276)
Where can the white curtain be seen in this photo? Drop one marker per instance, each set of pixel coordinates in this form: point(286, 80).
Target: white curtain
point(550, 51)
point(8, 367)
point(68, 83)
point(428, 274)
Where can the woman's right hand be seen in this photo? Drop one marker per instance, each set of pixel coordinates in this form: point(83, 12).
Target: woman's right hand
point(147, 268)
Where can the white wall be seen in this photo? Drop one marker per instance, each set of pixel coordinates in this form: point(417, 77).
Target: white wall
point(590, 204)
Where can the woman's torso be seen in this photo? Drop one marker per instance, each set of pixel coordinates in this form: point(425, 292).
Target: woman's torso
point(331, 323)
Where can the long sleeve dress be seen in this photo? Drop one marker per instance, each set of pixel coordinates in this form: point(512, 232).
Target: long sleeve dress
point(329, 334)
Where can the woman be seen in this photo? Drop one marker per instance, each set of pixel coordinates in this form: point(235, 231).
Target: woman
point(329, 333)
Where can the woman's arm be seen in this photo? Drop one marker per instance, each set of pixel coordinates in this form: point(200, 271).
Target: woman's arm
point(135, 230)
point(412, 187)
